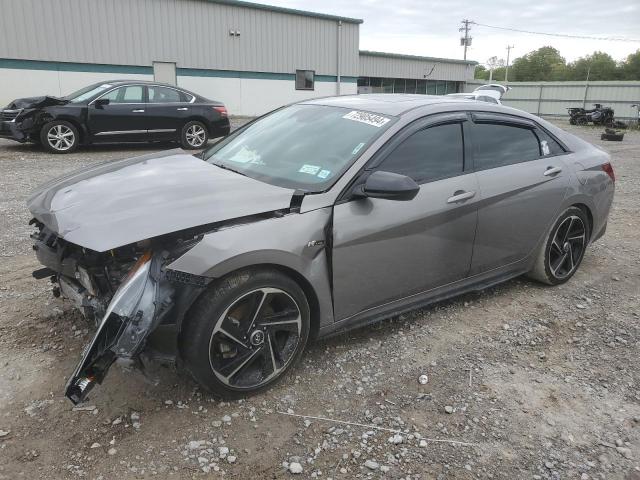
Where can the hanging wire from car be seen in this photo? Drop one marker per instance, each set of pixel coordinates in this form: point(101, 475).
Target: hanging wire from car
point(562, 35)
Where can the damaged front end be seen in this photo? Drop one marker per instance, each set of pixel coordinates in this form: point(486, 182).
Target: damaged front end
point(126, 291)
point(22, 118)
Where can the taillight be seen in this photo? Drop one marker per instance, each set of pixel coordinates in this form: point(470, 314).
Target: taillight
point(608, 169)
point(222, 111)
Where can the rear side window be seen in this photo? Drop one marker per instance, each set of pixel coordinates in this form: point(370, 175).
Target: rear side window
point(549, 146)
point(165, 95)
point(497, 145)
point(484, 98)
point(433, 153)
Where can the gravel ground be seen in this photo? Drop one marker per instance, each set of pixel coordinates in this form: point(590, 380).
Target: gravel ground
point(533, 382)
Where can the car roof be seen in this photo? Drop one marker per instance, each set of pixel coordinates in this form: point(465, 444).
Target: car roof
point(136, 81)
point(394, 104)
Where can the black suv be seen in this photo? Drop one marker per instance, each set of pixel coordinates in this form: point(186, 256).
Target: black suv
point(116, 111)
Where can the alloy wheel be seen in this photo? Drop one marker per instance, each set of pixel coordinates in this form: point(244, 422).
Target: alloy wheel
point(255, 339)
point(61, 137)
point(567, 247)
point(196, 135)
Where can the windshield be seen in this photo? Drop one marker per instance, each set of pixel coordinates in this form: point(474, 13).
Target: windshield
point(87, 92)
point(305, 147)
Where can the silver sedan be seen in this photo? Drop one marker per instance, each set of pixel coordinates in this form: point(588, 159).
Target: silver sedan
point(316, 218)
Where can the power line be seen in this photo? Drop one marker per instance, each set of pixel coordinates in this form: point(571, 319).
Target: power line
point(563, 35)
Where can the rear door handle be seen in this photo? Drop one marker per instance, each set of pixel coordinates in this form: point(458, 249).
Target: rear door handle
point(460, 196)
point(552, 171)
point(183, 108)
point(137, 111)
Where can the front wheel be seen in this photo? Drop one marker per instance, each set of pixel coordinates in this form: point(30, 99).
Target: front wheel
point(563, 249)
point(59, 136)
point(245, 332)
point(194, 135)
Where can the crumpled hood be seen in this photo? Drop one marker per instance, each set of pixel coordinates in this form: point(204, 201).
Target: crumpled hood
point(36, 102)
point(117, 203)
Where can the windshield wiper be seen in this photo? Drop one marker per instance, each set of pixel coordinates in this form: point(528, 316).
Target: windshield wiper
point(224, 167)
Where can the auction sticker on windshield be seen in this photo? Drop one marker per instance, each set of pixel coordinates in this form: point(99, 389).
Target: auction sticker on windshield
point(367, 117)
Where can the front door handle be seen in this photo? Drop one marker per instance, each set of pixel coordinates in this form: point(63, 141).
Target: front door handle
point(460, 196)
point(552, 171)
point(182, 109)
point(137, 111)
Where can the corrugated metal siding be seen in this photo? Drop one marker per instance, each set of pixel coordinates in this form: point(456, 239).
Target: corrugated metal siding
point(553, 98)
point(192, 33)
point(393, 67)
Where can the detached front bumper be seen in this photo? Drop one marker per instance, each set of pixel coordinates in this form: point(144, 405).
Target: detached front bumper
point(135, 310)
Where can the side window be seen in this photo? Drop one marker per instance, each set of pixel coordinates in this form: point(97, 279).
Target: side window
point(548, 146)
point(487, 99)
point(165, 95)
point(305, 79)
point(130, 94)
point(433, 153)
point(497, 145)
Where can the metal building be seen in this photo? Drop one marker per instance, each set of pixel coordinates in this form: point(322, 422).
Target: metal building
point(252, 57)
point(394, 73)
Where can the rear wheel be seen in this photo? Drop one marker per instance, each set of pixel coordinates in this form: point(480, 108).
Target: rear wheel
point(59, 136)
point(582, 120)
point(194, 135)
point(245, 332)
point(563, 250)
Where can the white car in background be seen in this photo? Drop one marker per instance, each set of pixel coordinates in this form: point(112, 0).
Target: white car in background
point(491, 93)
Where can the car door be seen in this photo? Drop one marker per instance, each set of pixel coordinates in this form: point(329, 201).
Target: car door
point(386, 250)
point(167, 110)
point(123, 119)
point(523, 180)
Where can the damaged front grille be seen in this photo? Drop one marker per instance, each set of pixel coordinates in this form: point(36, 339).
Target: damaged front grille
point(9, 115)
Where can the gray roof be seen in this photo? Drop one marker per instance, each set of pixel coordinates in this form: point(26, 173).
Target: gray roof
point(292, 11)
point(416, 57)
point(385, 103)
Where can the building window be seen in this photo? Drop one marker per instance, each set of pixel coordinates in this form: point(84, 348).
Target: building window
point(305, 79)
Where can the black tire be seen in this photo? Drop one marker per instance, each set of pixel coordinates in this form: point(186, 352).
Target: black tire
point(194, 135)
point(582, 121)
point(572, 120)
point(202, 337)
point(59, 136)
point(548, 268)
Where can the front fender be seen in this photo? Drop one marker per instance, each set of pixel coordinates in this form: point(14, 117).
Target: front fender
point(295, 241)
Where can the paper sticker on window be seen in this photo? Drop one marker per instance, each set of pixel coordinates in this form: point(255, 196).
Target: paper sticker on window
point(545, 147)
point(310, 169)
point(244, 155)
point(323, 173)
point(357, 149)
point(367, 117)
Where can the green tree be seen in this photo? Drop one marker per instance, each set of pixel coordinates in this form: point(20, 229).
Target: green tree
point(597, 66)
point(481, 73)
point(543, 64)
point(630, 68)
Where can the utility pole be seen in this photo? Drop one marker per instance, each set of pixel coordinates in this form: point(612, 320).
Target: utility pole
point(466, 40)
point(506, 71)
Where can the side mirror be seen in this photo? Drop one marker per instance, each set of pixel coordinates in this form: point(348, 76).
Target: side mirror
point(391, 186)
point(101, 102)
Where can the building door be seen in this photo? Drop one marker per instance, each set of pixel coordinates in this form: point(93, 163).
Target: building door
point(165, 72)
